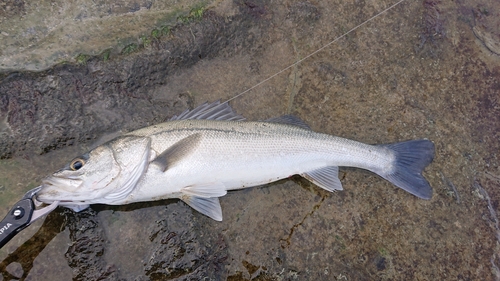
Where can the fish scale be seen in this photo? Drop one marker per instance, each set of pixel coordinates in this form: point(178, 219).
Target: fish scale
point(200, 155)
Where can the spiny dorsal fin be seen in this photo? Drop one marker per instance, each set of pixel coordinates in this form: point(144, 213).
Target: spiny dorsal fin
point(177, 151)
point(210, 111)
point(289, 120)
point(210, 207)
point(326, 178)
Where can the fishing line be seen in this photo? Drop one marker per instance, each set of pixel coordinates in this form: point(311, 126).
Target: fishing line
point(315, 52)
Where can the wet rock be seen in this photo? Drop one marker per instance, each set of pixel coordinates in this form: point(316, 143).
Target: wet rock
point(370, 87)
point(304, 13)
point(256, 8)
point(84, 255)
point(10, 8)
point(35, 35)
point(15, 269)
point(433, 28)
point(183, 248)
point(40, 112)
point(20, 262)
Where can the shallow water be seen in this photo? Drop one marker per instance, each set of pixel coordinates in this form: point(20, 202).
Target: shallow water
point(422, 70)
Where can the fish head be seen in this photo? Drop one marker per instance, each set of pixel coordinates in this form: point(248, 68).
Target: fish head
point(105, 175)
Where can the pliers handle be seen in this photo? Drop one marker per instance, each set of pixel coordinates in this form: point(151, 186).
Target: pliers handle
point(21, 215)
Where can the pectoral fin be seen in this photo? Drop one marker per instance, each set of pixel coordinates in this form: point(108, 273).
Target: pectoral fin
point(176, 152)
point(210, 207)
point(326, 178)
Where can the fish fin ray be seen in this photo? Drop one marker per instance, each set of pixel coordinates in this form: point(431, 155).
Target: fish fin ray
point(411, 159)
point(210, 207)
point(289, 120)
point(75, 207)
point(176, 152)
point(210, 111)
point(216, 189)
point(326, 178)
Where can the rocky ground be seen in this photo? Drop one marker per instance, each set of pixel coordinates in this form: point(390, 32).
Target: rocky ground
point(425, 69)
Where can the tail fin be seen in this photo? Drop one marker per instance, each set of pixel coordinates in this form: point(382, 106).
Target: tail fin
point(411, 159)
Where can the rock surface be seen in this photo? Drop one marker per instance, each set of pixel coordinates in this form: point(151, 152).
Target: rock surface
point(423, 70)
point(35, 35)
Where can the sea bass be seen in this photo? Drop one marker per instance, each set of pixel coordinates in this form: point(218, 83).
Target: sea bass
point(201, 154)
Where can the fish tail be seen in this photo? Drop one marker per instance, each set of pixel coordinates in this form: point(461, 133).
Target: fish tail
point(411, 159)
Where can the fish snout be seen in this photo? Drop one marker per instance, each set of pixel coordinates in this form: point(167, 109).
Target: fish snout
point(47, 195)
point(58, 189)
point(61, 183)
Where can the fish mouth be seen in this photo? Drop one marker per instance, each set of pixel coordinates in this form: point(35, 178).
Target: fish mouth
point(60, 182)
point(48, 199)
point(58, 189)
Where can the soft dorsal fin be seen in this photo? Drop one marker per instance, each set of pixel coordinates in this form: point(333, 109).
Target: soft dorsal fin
point(289, 120)
point(326, 178)
point(177, 151)
point(210, 207)
point(210, 111)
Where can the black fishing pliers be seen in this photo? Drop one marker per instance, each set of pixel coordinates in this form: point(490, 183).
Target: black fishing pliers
point(21, 215)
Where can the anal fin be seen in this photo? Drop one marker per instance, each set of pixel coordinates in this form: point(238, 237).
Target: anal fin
point(326, 178)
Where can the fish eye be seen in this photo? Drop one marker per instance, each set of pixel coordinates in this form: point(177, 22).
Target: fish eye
point(77, 164)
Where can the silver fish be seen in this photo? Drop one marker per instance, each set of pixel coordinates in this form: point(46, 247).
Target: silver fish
point(201, 154)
